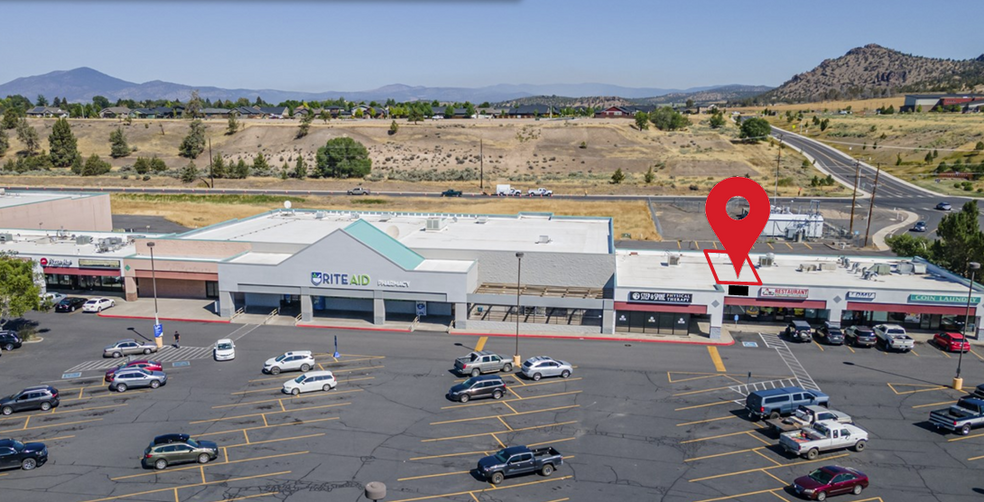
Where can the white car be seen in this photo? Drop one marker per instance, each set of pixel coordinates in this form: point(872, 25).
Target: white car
point(52, 298)
point(98, 305)
point(298, 360)
point(224, 350)
point(310, 381)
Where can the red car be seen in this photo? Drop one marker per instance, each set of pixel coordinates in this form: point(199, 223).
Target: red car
point(147, 365)
point(951, 342)
point(830, 480)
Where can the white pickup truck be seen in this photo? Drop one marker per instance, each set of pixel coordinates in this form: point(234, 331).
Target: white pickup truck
point(539, 192)
point(824, 436)
point(893, 337)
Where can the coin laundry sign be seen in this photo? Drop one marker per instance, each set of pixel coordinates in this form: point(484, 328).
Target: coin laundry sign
point(648, 297)
point(329, 279)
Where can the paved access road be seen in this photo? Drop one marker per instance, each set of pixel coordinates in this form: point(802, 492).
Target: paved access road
point(635, 421)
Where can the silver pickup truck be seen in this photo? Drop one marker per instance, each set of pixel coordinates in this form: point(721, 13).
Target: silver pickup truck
point(805, 416)
point(823, 436)
point(961, 417)
point(476, 363)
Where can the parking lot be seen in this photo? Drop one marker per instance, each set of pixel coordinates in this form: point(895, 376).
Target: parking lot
point(636, 421)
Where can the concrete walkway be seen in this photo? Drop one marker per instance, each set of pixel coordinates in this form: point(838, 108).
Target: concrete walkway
point(170, 309)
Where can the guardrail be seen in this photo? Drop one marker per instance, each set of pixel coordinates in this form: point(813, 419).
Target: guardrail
point(297, 318)
point(240, 311)
point(413, 325)
point(273, 313)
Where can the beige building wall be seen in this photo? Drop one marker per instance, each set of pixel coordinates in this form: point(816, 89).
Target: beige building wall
point(164, 248)
point(171, 288)
point(91, 213)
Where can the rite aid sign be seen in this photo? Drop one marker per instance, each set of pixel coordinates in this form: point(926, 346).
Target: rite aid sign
point(647, 297)
point(860, 295)
point(784, 293)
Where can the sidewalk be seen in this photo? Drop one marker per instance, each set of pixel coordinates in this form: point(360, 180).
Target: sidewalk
point(168, 309)
point(693, 339)
point(920, 337)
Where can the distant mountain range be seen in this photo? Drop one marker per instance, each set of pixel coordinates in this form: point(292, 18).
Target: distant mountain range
point(874, 71)
point(81, 84)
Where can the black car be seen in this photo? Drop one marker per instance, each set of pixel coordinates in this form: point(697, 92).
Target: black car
point(451, 193)
point(860, 336)
point(70, 304)
point(9, 340)
point(43, 397)
point(480, 386)
point(17, 455)
point(830, 335)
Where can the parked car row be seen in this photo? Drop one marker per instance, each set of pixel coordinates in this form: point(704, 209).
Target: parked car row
point(890, 336)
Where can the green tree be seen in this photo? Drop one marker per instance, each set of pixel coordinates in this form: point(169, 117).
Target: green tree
point(41, 101)
point(302, 130)
point(449, 112)
point(907, 245)
point(300, 168)
point(358, 113)
point(717, 121)
point(343, 158)
point(28, 136)
point(325, 116)
point(218, 166)
point(241, 170)
point(141, 165)
point(189, 173)
point(233, 126)
point(415, 115)
point(118, 145)
point(19, 289)
point(618, 176)
point(10, 118)
point(668, 119)
point(393, 128)
point(979, 146)
point(194, 143)
point(157, 165)
point(77, 165)
point(642, 120)
point(101, 102)
point(260, 165)
point(824, 124)
point(4, 142)
point(194, 108)
point(94, 166)
point(928, 158)
point(690, 103)
point(284, 171)
point(960, 240)
point(898, 159)
point(650, 176)
point(754, 129)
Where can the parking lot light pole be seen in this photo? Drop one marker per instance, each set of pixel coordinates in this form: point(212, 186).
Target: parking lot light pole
point(153, 276)
point(974, 267)
point(519, 275)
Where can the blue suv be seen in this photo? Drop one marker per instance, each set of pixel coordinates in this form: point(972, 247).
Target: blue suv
point(783, 401)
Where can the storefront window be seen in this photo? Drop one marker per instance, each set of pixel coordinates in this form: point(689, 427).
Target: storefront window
point(658, 323)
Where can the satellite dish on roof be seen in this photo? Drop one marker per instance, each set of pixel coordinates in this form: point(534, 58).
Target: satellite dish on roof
point(393, 231)
point(286, 204)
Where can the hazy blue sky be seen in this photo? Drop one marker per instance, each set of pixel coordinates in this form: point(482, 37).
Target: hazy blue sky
point(320, 45)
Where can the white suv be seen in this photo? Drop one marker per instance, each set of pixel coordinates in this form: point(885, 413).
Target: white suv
point(310, 381)
point(298, 360)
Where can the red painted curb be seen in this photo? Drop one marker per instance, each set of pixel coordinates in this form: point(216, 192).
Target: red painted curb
point(599, 338)
point(356, 328)
point(177, 319)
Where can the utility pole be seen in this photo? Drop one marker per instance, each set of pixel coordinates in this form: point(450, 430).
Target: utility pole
point(481, 165)
point(857, 173)
point(211, 172)
point(871, 207)
point(778, 159)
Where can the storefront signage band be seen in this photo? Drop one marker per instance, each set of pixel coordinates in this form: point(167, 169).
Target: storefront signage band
point(330, 279)
point(55, 263)
point(784, 293)
point(90, 263)
point(974, 300)
point(648, 297)
point(860, 295)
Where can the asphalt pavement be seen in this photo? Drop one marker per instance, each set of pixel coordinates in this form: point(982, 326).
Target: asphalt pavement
point(634, 422)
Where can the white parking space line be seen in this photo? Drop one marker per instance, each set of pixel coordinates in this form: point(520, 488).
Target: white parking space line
point(165, 355)
point(805, 381)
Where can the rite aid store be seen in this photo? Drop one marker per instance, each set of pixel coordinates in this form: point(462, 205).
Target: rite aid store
point(661, 292)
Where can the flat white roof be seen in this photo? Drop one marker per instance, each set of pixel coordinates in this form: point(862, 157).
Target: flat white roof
point(525, 232)
point(261, 258)
point(253, 258)
point(10, 199)
point(55, 243)
point(650, 269)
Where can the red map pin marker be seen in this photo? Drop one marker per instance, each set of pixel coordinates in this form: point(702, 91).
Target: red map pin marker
point(737, 236)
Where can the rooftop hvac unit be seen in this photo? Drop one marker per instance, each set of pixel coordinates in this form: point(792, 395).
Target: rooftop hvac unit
point(808, 267)
point(673, 259)
point(766, 261)
point(83, 239)
point(544, 239)
point(354, 216)
point(906, 268)
point(919, 268)
point(869, 275)
point(6, 238)
point(828, 266)
point(881, 268)
point(436, 223)
point(3, 191)
point(319, 215)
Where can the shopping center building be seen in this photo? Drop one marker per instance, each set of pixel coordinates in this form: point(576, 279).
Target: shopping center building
point(470, 272)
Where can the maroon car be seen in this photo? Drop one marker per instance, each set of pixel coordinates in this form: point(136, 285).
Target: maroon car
point(830, 480)
point(147, 365)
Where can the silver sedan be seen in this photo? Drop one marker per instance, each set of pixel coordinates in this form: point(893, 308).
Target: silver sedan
point(128, 347)
point(538, 367)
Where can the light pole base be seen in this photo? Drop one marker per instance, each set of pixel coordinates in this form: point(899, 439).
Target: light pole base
point(957, 383)
point(516, 361)
point(159, 340)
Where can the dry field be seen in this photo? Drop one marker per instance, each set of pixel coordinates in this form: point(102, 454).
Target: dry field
point(858, 105)
point(435, 155)
point(198, 211)
point(910, 137)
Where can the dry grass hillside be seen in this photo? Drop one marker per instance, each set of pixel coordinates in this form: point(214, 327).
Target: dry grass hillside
point(908, 137)
point(571, 156)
